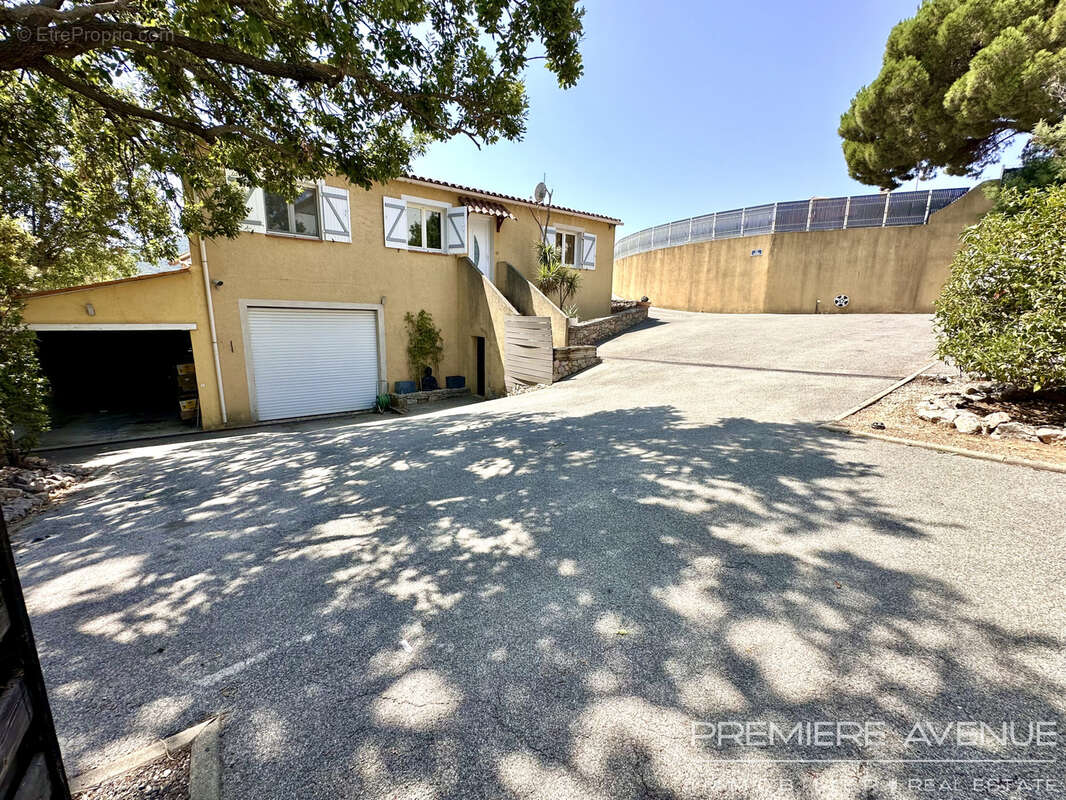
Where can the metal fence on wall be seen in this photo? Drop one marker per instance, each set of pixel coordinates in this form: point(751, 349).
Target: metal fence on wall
point(818, 214)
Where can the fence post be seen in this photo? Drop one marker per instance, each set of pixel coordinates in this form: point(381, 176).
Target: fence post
point(810, 210)
point(884, 217)
point(690, 229)
point(743, 213)
point(847, 210)
point(714, 226)
point(928, 203)
point(773, 220)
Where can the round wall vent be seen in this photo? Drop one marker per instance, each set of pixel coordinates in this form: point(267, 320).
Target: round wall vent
point(841, 300)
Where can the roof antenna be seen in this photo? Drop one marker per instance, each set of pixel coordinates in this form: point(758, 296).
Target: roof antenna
point(541, 191)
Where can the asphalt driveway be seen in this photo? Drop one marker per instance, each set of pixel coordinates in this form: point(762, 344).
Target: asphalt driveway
point(537, 597)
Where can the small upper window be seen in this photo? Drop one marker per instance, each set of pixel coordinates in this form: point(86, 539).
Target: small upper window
point(299, 217)
point(424, 228)
point(566, 245)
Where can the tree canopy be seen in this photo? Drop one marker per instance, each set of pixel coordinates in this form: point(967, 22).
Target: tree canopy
point(272, 91)
point(91, 211)
point(22, 389)
point(957, 81)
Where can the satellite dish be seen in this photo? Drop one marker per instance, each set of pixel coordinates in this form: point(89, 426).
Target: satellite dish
point(540, 192)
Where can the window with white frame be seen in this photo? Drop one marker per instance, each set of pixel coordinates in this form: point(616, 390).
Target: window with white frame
point(566, 245)
point(298, 217)
point(424, 228)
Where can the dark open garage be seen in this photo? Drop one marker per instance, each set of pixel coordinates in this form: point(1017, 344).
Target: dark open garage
point(109, 385)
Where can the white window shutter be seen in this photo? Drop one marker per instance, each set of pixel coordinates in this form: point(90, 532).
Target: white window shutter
point(588, 251)
point(549, 237)
point(336, 216)
point(255, 222)
point(396, 223)
point(455, 231)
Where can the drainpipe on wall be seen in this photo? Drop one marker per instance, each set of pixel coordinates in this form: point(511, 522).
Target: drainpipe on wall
point(211, 322)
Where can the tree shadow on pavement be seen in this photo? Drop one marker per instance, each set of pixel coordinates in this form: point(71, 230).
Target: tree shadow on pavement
point(515, 605)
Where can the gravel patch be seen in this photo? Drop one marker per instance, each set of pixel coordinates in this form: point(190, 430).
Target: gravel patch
point(166, 778)
point(35, 483)
point(896, 411)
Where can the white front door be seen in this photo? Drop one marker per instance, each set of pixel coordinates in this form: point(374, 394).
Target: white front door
point(479, 246)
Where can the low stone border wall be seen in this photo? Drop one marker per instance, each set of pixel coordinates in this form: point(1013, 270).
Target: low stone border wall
point(596, 330)
point(568, 360)
point(402, 402)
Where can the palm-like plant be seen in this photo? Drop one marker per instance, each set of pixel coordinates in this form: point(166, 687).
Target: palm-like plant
point(554, 277)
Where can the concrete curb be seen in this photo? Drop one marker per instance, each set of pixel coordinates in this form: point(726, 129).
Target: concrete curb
point(120, 766)
point(205, 763)
point(871, 400)
point(943, 448)
point(834, 425)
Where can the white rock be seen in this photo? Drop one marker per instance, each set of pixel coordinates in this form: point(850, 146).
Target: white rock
point(994, 420)
point(1015, 430)
point(933, 414)
point(1051, 435)
point(968, 422)
point(950, 400)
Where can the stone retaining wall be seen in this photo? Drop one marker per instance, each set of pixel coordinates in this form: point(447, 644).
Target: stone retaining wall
point(402, 402)
point(568, 360)
point(596, 330)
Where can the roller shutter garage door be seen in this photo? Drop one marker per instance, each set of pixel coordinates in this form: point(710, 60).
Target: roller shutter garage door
point(312, 360)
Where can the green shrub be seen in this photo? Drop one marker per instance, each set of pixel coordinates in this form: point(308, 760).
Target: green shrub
point(23, 392)
point(1002, 314)
point(425, 345)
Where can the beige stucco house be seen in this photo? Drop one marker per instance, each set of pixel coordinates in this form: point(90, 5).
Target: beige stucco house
point(303, 313)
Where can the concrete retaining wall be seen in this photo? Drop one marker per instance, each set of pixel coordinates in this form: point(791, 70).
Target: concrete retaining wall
point(899, 269)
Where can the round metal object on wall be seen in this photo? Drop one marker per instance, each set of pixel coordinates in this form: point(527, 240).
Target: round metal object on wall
point(841, 300)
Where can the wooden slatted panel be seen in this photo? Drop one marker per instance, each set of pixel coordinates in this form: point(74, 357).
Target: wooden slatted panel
point(527, 354)
point(14, 723)
point(31, 766)
point(35, 783)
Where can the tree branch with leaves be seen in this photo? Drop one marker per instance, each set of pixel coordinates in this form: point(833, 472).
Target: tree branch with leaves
point(958, 81)
point(278, 92)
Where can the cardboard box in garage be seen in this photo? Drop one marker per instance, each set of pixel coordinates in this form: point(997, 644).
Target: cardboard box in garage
point(187, 377)
point(188, 408)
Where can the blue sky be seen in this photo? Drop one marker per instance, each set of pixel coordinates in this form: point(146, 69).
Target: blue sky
point(688, 107)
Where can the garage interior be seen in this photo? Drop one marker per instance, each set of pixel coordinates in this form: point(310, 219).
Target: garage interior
point(112, 385)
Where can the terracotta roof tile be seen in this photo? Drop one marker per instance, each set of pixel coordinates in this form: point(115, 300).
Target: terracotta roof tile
point(512, 198)
point(489, 207)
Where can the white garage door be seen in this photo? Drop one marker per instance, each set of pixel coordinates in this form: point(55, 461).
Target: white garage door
point(312, 360)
